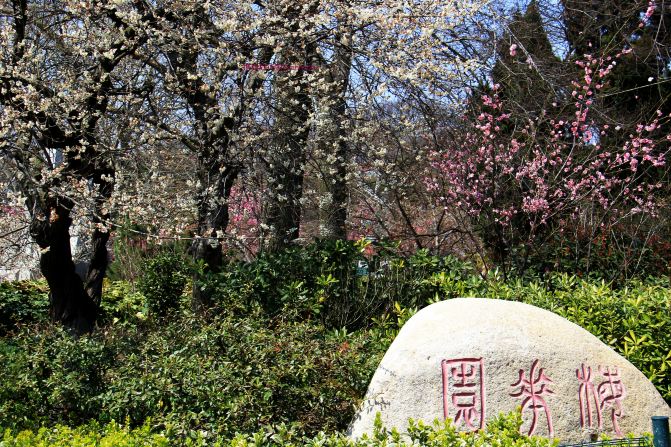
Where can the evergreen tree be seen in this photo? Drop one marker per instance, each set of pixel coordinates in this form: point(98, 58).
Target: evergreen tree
point(526, 68)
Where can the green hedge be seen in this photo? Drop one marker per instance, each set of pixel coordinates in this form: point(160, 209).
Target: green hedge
point(503, 431)
point(110, 435)
point(22, 302)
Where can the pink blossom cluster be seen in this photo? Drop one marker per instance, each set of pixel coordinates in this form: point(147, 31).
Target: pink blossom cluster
point(245, 211)
point(10, 210)
point(651, 10)
point(548, 168)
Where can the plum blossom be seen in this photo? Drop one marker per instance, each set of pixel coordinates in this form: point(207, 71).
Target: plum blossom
point(513, 50)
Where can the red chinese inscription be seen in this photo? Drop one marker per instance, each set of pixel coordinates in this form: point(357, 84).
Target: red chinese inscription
point(464, 391)
point(532, 390)
point(611, 393)
point(585, 392)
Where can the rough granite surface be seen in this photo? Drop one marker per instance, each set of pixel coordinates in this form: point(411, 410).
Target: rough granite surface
point(471, 358)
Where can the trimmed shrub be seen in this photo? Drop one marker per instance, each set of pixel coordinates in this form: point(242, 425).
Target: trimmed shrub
point(110, 435)
point(220, 376)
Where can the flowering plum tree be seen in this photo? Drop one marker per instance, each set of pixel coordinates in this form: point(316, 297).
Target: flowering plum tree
point(368, 55)
point(90, 88)
point(60, 75)
point(522, 179)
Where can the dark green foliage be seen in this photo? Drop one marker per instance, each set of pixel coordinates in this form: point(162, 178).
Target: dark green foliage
point(22, 302)
point(50, 377)
point(609, 26)
point(234, 375)
point(613, 253)
point(162, 283)
point(221, 376)
point(321, 282)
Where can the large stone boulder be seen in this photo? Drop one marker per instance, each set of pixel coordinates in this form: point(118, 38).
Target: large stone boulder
point(470, 359)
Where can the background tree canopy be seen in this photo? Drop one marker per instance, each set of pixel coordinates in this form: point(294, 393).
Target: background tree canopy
point(529, 139)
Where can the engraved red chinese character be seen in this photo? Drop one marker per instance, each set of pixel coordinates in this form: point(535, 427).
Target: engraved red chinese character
point(532, 390)
point(611, 393)
point(585, 391)
point(464, 391)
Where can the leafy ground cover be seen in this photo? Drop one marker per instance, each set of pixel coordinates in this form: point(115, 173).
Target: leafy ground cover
point(502, 431)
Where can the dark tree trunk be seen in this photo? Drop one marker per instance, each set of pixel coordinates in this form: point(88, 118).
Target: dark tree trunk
point(284, 210)
point(217, 168)
point(70, 304)
point(287, 165)
point(335, 217)
point(209, 252)
point(99, 239)
point(216, 171)
point(213, 171)
point(287, 160)
point(74, 301)
point(97, 266)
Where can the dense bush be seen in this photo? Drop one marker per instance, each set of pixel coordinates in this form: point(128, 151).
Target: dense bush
point(236, 374)
point(22, 302)
point(633, 317)
point(121, 304)
point(268, 352)
point(162, 283)
point(326, 281)
point(228, 374)
point(48, 377)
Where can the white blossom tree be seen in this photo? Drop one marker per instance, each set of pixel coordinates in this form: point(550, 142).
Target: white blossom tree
point(89, 89)
point(59, 76)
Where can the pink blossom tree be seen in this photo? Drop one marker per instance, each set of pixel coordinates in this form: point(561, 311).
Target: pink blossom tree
point(523, 179)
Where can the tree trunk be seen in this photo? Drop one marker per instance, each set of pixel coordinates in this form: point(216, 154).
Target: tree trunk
point(287, 165)
point(334, 212)
point(99, 256)
point(97, 266)
point(213, 216)
point(70, 304)
point(286, 161)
